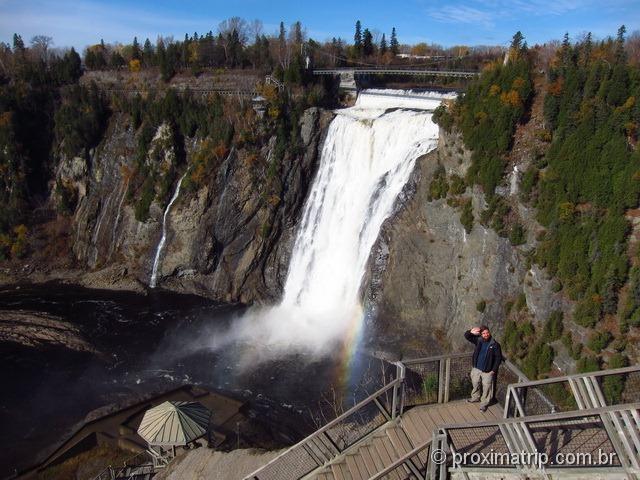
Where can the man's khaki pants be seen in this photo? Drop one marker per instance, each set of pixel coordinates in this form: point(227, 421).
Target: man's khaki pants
point(479, 377)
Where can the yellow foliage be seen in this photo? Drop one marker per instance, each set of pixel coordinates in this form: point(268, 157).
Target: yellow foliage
point(420, 49)
point(20, 231)
point(511, 98)
point(480, 116)
point(489, 66)
point(518, 83)
point(5, 241)
point(630, 103)
point(5, 118)
point(269, 92)
point(631, 128)
point(193, 52)
point(566, 210)
point(273, 112)
point(134, 65)
point(494, 90)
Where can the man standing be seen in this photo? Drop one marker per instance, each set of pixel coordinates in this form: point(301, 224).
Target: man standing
point(486, 360)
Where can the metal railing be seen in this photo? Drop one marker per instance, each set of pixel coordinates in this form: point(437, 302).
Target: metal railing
point(421, 381)
point(137, 465)
point(565, 442)
point(573, 392)
point(395, 71)
point(335, 437)
point(444, 378)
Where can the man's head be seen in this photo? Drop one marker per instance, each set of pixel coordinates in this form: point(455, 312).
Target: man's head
point(485, 333)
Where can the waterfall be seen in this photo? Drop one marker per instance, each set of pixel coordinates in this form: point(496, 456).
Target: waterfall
point(368, 155)
point(117, 220)
point(514, 180)
point(160, 248)
point(103, 213)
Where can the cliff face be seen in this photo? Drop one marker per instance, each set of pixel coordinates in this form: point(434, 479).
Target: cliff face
point(229, 239)
point(430, 279)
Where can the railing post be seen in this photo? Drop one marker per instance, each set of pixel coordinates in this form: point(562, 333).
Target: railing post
point(440, 380)
point(399, 381)
point(447, 378)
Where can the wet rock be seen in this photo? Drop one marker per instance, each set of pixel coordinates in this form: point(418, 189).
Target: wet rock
point(35, 329)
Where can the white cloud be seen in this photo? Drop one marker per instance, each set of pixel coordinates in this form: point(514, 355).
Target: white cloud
point(463, 14)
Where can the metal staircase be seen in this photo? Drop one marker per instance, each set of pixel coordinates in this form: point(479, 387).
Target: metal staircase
point(418, 426)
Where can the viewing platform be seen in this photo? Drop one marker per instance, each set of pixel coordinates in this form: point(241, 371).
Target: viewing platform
point(420, 426)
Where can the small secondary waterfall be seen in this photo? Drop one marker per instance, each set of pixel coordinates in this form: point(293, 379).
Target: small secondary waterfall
point(96, 232)
point(156, 261)
point(367, 158)
point(114, 231)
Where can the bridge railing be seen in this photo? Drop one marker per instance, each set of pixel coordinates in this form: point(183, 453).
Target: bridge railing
point(573, 392)
point(562, 442)
point(446, 377)
point(336, 436)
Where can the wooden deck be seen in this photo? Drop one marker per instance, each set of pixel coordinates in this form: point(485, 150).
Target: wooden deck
point(398, 437)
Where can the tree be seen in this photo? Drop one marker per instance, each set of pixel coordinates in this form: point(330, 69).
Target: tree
point(136, 54)
point(357, 38)
point(367, 43)
point(116, 60)
point(18, 43)
point(383, 45)
point(620, 54)
point(40, 44)
point(283, 53)
point(516, 42)
point(298, 35)
point(147, 54)
point(394, 45)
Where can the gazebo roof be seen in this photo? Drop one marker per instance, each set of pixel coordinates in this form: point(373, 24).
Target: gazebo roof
point(174, 423)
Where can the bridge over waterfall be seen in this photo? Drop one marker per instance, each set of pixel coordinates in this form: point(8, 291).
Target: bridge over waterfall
point(348, 75)
point(419, 426)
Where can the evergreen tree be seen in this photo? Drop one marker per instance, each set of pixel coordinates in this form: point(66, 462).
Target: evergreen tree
point(282, 46)
point(18, 43)
point(136, 54)
point(367, 43)
point(116, 60)
point(357, 38)
point(586, 50)
point(297, 33)
point(147, 54)
point(383, 45)
point(394, 45)
point(516, 42)
point(566, 50)
point(620, 54)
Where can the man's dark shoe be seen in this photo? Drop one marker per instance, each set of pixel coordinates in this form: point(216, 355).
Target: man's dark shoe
point(471, 400)
point(483, 408)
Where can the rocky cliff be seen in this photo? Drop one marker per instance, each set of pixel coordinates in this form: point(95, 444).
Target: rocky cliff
point(430, 279)
point(228, 239)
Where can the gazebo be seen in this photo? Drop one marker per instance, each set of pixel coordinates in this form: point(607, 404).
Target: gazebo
point(173, 424)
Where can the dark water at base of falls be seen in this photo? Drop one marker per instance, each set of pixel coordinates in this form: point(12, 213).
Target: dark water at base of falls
point(145, 344)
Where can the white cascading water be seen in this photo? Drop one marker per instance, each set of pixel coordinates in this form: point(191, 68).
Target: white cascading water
point(160, 248)
point(368, 155)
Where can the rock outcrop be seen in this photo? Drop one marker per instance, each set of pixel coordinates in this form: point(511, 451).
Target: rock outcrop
point(430, 280)
point(229, 239)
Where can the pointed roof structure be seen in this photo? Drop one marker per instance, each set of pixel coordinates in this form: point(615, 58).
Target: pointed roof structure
point(174, 423)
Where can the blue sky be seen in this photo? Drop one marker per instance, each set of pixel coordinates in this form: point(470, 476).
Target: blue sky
point(82, 22)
